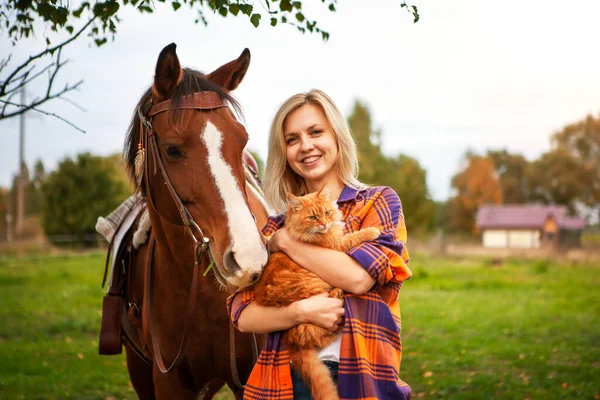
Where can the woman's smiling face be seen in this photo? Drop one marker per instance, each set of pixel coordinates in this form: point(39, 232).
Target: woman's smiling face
point(310, 146)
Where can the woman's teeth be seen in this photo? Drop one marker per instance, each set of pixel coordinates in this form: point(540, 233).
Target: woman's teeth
point(309, 160)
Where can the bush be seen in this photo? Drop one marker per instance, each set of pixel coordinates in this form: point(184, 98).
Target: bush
point(78, 192)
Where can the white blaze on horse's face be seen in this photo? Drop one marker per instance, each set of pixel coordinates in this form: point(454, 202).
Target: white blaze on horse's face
point(247, 249)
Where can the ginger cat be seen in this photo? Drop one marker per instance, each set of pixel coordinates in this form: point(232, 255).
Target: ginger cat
point(313, 219)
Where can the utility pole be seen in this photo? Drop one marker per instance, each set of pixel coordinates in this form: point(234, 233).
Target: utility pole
point(21, 179)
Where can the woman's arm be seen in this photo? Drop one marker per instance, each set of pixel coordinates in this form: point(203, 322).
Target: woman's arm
point(334, 267)
point(320, 310)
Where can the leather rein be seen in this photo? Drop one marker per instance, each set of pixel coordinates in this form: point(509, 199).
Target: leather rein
point(197, 101)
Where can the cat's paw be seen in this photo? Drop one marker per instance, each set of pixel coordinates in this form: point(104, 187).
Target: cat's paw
point(372, 233)
point(336, 293)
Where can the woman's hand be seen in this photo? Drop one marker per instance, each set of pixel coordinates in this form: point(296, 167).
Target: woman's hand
point(322, 310)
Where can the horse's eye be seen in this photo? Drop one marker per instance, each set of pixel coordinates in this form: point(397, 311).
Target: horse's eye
point(174, 152)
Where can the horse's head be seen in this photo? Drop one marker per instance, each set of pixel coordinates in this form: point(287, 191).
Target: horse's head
point(199, 141)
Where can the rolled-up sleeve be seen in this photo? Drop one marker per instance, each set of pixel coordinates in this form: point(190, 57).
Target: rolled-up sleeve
point(236, 303)
point(385, 258)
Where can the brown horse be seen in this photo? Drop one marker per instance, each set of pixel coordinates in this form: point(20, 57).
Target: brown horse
point(200, 208)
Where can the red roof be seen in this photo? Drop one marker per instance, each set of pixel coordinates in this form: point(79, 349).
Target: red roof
point(525, 217)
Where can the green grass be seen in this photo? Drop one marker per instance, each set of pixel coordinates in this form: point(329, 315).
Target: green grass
point(471, 330)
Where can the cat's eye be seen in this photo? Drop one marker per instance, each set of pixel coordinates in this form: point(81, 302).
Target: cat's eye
point(312, 217)
point(173, 152)
point(328, 213)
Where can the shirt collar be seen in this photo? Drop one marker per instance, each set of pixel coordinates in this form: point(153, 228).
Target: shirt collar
point(348, 193)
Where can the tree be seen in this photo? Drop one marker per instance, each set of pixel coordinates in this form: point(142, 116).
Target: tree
point(475, 185)
point(402, 173)
point(582, 141)
point(512, 170)
point(558, 177)
point(19, 19)
point(78, 192)
point(406, 176)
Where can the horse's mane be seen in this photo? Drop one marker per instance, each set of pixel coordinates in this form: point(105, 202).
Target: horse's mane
point(192, 81)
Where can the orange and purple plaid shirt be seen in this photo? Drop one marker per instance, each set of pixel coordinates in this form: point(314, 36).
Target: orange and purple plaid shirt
point(370, 350)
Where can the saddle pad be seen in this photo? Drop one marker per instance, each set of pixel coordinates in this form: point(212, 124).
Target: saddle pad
point(125, 226)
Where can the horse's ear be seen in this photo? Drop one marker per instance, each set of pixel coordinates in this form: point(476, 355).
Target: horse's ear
point(231, 74)
point(167, 75)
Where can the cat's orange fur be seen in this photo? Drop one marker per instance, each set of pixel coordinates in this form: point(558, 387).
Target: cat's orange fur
point(313, 219)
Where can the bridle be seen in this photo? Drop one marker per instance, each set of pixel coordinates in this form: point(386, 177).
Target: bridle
point(205, 101)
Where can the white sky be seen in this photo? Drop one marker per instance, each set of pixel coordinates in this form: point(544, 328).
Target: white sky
point(471, 74)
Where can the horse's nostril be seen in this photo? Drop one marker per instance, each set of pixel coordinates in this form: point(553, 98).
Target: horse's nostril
point(230, 262)
point(254, 277)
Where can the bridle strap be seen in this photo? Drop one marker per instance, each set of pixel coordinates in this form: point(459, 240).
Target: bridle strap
point(233, 359)
point(191, 309)
point(196, 101)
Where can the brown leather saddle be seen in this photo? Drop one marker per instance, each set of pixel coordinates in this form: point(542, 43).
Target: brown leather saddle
point(121, 315)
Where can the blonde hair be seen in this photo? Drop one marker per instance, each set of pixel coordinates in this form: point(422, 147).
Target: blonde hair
point(280, 179)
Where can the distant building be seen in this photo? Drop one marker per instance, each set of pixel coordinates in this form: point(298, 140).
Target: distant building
point(528, 226)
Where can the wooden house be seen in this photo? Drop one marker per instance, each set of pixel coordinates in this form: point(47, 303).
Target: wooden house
point(528, 226)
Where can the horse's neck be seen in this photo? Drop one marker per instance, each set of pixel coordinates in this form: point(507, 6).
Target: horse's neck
point(173, 244)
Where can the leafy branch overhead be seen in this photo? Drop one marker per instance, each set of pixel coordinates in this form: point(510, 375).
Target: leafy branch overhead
point(19, 18)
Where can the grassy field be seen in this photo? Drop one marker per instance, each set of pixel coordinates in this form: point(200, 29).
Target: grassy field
point(472, 330)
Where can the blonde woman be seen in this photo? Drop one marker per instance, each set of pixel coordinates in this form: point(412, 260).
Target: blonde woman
point(310, 146)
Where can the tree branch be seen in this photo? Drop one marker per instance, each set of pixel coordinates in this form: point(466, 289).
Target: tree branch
point(25, 108)
point(50, 114)
point(50, 50)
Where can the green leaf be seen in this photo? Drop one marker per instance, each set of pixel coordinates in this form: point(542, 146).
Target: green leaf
point(415, 14)
point(325, 35)
point(283, 19)
point(273, 21)
point(285, 5)
point(246, 9)
point(331, 7)
point(223, 11)
point(112, 8)
point(299, 17)
point(176, 5)
point(100, 42)
point(297, 5)
point(69, 29)
point(212, 262)
point(255, 19)
point(234, 9)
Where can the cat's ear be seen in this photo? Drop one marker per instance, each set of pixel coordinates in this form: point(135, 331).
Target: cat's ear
point(293, 201)
point(324, 192)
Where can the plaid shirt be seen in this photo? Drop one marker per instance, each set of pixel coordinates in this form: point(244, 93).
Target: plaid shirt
point(370, 348)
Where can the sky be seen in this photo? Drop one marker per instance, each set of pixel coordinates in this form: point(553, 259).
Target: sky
point(471, 74)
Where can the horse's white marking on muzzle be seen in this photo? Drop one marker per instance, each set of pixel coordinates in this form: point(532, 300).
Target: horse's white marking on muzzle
point(249, 251)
